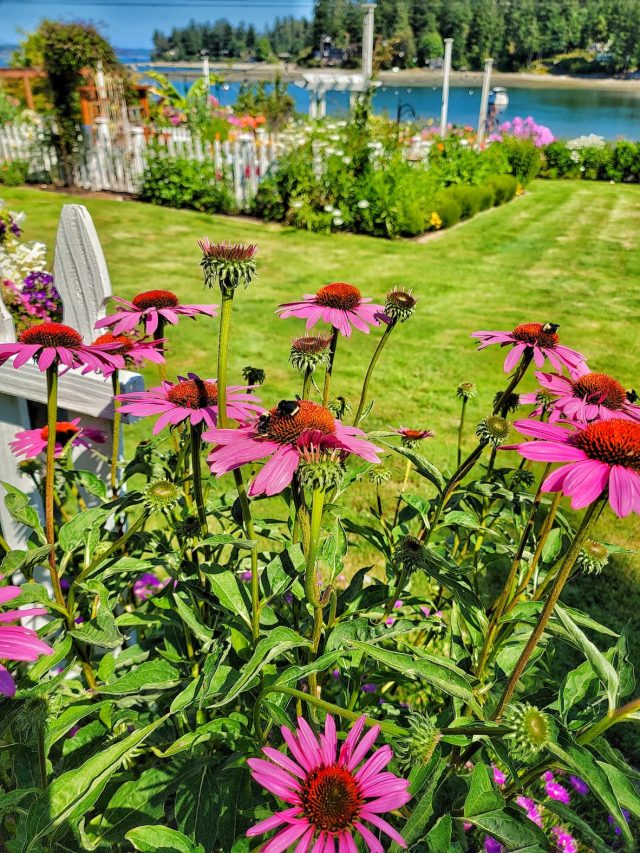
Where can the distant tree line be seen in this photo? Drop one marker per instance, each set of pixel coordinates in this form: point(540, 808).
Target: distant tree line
point(514, 32)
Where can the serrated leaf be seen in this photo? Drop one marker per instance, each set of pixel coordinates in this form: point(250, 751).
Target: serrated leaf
point(516, 833)
point(24, 561)
point(20, 509)
point(91, 483)
point(72, 534)
point(483, 795)
point(225, 586)
point(151, 675)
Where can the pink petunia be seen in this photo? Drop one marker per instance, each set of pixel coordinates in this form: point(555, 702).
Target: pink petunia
point(16, 642)
point(31, 442)
point(604, 455)
point(54, 343)
point(285, 434)
point(587, 397)
point(151, 308)
point(540, 338)
point(339, 304)
point(331, 791)
point(192, 399)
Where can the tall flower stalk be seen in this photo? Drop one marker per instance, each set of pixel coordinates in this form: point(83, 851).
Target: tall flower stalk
point(547, 612)
point(196, 465)
point(115, 441)
point(52, 418)
point(228, 266)
point(329, 369)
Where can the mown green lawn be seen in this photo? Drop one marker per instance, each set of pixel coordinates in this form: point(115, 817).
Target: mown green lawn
point(565, 252)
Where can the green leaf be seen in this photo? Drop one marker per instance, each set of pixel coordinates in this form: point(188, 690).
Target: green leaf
point(280, 640)
point(423, 811)
point(483, 795)
point(613, 756)
point(282, 572)
point(512, 830)
point(72, 534)
point(422, 466)
point(235, 797)
point(58, 726)
point(334, 548)
point(24, 561)
point(458, 518)
point(71, 795)
point(575, 687)
point(623, 789)
point(198, 805)
point(191, 619)
point(579, 760)
point(228, 539)
point(161, 839)
point(575, 821)
point(100, 631)
point(601, 666)
point(440, 672)
point(20, 508)
point(152, 675)
point(439, 837)
point(553, 545)
point(225, 586)
point(91, 483)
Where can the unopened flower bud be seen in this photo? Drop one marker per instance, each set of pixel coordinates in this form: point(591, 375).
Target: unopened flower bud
point(410, 554)
point(522, 477)
point(493, 430)
point(379, 475)
point(532, 730)
point(310, 352)
point(227, 265)
point(340, 407)
point(321, 469)
point(188, 528)
point(466, 390)
point(160, 495)
point(593, 557)
point(253, 375)
point(420, 743)
point(399, 304)
point(508, 405)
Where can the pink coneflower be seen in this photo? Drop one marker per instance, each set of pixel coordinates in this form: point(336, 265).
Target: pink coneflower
point(192, 399)
point(589, 397)
point(330, 796)
point(16, 642)
point(554, 790)
point(31, 442)
point(541, 338)
point(339, 304)
point(565, 842)
point(147, 585)
point(285, 433)
point(134, 351)
point(151, 308)
point(50, 343)
point(410, 437)
point(532, 809)
point(601, 455)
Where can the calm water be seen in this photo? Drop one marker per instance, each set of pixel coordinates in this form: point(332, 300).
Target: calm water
point(568, 112)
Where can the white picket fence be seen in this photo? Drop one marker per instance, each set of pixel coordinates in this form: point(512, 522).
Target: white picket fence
point(82, 279)
point(116, 161)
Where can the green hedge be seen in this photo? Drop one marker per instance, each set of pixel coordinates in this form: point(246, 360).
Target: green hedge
point(178, 182)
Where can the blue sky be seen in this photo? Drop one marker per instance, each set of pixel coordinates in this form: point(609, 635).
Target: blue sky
point(130, 23)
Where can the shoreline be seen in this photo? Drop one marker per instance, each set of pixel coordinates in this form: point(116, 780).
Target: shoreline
point(239, 72)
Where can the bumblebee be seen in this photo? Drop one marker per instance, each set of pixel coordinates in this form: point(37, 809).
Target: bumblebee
point(551, 328)
point(288, 407)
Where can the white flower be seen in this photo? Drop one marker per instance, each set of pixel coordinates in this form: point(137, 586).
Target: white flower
point(334, 137)
point(338, 221)
point(336, 212)
point(363, 204)
point(346, 160)
point(297, 204)
point(328, 208)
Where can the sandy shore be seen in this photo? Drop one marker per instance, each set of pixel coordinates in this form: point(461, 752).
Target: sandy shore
point(414, 77)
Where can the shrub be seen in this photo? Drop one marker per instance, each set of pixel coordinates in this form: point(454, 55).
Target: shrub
point(504, 188)
point(625, 162)
point(560, 162)
point(177, 182)
point(14, 173)
point(524, 158)
point(448, 208)
point(595, 162)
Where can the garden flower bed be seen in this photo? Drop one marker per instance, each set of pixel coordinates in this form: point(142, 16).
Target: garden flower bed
point(228, 665)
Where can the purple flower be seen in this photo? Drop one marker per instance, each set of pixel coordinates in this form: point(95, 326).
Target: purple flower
point(531, 808)
point(369, 687)
point(492, 846)
point(579, 785)
point(146, 586)
point(554, 790)
point(498, 776)
point(565, 842)
point(611, 820)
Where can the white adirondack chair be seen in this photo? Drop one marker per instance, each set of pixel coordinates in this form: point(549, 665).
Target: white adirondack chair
point(82, 279)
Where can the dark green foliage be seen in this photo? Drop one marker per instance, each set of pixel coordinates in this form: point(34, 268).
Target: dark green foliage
point(504, 188)
point(525, 160)
point(271, 101)
point(559, 162)
point(448, 209)
point(177, 182)
point(13, 173)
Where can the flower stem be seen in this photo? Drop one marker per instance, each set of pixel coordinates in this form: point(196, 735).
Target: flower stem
point(554, 595)
point(449, 489)
point(52, 417)
point(544, 533)
point(405, 482)
point(502, 404)
point(460, 429)
point(374, 358)
point(310, 577)
point(115, 445)
point(327, 376)
point(306, 384)
point(223, 359)
point(610, 719)
point(196, 465)
point(393, 598)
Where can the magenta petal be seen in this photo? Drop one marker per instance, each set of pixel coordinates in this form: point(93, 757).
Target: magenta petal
point(285, 838)
point(363, 747)
point(270, 823)
point(624, 484)
point(277, 473)
point(382, 824)
point(284, 761)
point(542, 430)
point(8, 593)
point(551, 451)
point(7, 685)
point(303, 845)
point(373, 845)
point(513, 357)
point(585, 482)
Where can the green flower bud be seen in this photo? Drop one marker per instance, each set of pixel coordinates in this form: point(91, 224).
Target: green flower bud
point(400, 304)
point(466, 390)
point(253, 375)
point(227, 265)
point(493, 430)
point(410, 554)
point(309, 352)
point(379, 475)
point(160, 495)
point(420, 743)
point(510, 404)
point(321, 469)
point(532, 730)
point(593, 557)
